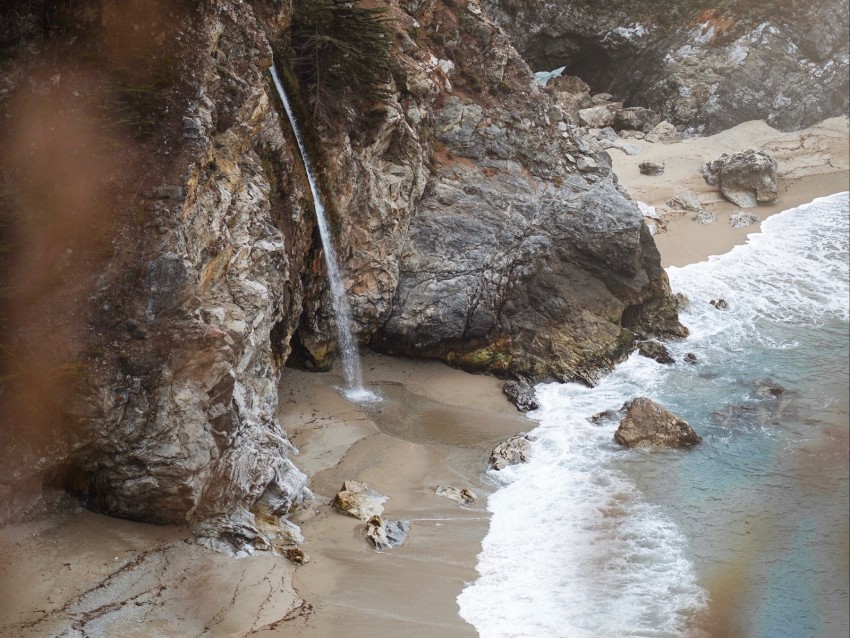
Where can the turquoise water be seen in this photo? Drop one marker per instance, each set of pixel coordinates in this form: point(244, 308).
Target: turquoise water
point(746, 534)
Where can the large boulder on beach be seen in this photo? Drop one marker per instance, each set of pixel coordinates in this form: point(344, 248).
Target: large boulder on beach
point(521, 394)
point(636, 118)
point(359, 500)
point(746, 179)
point(647, 424)
point(516, 449)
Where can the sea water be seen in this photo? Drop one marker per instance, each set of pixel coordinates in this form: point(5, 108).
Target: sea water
point(744, 535)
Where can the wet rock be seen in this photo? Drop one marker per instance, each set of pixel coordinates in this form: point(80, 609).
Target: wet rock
point(601, 417)
point(647, 424)
point(651, 168)
point(746, 179)
point(463, 496)
point(690, 357)
point(516, 449)
point(768, 390)
point(720, 304)
point(359, 500)
point(704, 217)
point(655, 350)
point(686, 200)
point(681, 300)
point(384, 534)
point(742, 218)
point(521, 393)
point(636, 118)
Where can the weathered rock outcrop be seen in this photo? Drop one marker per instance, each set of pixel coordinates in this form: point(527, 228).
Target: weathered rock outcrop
point(174, 411)
point(788, 64)
point(746, 179)
point(472, 227)
point(647, 424)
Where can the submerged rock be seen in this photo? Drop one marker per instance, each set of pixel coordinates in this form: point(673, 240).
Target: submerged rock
point(521, 393)
point(720, 304)
point(516, 449)
point(746, 179)
point(359, 500)
point(647, 424)
point(463, 496)
point(690, 357)
point(601, 417)
point(384, 534)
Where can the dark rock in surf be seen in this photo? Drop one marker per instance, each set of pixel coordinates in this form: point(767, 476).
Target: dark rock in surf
point(647, 424)
point(690, 357)
point(521, 394)
point(516, 449)
point(655, 350)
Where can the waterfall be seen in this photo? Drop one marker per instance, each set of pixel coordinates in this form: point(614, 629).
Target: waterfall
point(342, 310)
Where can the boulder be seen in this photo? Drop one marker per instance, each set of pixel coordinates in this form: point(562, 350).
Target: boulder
point(636, 118)
point(743, 218)
point(359, 500)
point(599, 116)
point(655, 350)
point(647, 424)
point(521, 394)
point(746, 179)
point(690, 357)
point(601, 417)
point(720, 304)
point(665, 133)
point(704, 217)
point(686, 200)
point(463, 496)
point(516, 449)
point(383, 534)
point(651, 168)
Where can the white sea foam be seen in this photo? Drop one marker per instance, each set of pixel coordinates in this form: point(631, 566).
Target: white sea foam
point(574, 549)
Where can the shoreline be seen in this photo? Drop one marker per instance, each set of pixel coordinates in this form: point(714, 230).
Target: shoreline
point(813, 162)
point(436, 425)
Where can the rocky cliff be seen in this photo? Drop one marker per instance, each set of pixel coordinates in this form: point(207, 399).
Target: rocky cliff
point(472, 228)
point(703, 66)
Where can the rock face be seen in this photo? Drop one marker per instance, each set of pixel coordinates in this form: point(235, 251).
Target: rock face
point(474, 226)
point(746, 179)
point(647, 424)
point(706, 72)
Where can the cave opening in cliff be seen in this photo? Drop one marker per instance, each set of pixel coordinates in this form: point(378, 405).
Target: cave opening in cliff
point(593, 65)
point(581, 57)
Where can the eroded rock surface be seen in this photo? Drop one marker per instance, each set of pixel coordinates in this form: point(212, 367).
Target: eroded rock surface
point(747, 178)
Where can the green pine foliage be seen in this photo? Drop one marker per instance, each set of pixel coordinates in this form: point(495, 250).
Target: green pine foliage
point(342, 53)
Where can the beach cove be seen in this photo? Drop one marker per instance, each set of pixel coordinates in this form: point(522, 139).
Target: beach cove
point(436, 426)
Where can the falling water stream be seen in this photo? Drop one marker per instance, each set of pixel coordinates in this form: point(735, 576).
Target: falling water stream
point(342, 310)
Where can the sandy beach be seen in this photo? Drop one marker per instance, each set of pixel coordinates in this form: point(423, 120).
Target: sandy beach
point(81, 572)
